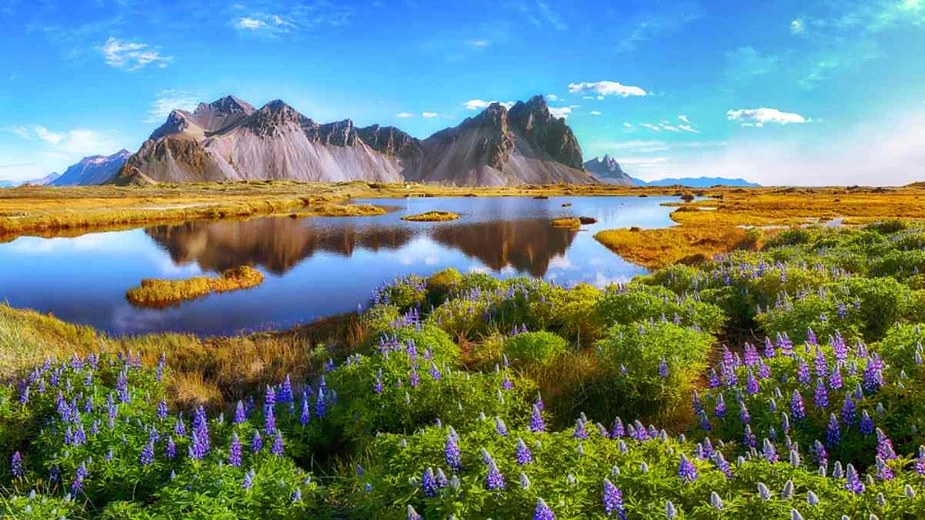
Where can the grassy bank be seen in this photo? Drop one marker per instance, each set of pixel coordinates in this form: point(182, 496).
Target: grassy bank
point(155, 292)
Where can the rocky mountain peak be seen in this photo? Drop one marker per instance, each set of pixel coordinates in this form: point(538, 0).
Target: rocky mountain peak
point(269, 120)
point(227, 105)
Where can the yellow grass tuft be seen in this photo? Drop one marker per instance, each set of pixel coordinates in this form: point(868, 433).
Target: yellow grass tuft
point(159, 293)
point(432, 216)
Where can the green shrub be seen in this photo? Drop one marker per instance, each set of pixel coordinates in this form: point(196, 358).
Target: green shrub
point(534, 348)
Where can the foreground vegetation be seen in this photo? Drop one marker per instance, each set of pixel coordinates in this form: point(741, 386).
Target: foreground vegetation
point(469, 396)
point(155, 292)
point(432, 216)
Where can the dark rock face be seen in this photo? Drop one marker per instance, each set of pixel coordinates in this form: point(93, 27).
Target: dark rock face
point(608, 170)
point(229, 139)
point(545, 132)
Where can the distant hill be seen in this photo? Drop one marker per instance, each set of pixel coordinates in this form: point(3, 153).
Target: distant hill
point(609, 171)
point(699, 182)
point(230, 139)
point(93, 170)
point(48, 179)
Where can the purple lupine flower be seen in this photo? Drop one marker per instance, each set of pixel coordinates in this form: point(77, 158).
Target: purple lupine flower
point(848, 411)
point(269, 421)
point(543, 511)
point(494, 481)
point(434, 372)
point(698, 405)
point(248, 479)
point(277, 448)
point(748, 438)
point(821, 395)
point(803, 373)
point(751, 355)
point(884, 446)
point(835, 379)
point(744, 415)
point(321, 403)
point(506, 383)
point(234, 451)
point(180, 427)
point(769, 348)
point(580, 432)
point(613, 500)
point(536, 420)
point(170, 451)
point(429, 483)
point(414, 380)
point(162, 409)
point(853, 481)
point(867, 424)
point(686, 470)
point(796, 407)
point(377, 386)
point(500, 427)
point(256, 442)
point(411, 514)
point(714, 379)
point(811, 336)
point(920, 462)
point(285, 392)
point(618, 431)
point(81, 473)
point(663, 368)
point(820, 455)
point(820, 363)
point(522, 453)
point(16, 466)
point(884, 471)
point(147, 454)
point(751, 384)
point(768, 451)
point(720, 410)
point(764, 370)
point(451, 452)
point(832, 432)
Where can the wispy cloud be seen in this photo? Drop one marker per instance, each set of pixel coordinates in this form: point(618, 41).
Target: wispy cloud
point(265, 24)
point(404, 115)
point(169, 100)
point(745, 64)
point(606, 88)
point(75, 143)
point(560, 112)
point(758, 117)
point(132, 56)
point(667, 19)
point(478, 104)
point(477, 44)
point(429, 115)
point(594, 113)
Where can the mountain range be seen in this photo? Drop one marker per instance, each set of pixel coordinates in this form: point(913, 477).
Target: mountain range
point(229, 139)
point(608, 170)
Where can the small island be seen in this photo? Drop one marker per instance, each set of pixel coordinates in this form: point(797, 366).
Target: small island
point(154, 292)
point(432, 216)
point(572, 222)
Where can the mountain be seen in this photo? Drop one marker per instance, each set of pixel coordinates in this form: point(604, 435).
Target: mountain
point(608, 170)
point(230, 139)
point(48, 179)
point(92, 170)
point(699, 182)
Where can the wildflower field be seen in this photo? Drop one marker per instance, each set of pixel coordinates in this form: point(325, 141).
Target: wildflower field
point(786, 382)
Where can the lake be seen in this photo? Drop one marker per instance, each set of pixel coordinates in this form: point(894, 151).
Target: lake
point(315, 267)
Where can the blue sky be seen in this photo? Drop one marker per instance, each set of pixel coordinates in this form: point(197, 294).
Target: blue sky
point(781, 92)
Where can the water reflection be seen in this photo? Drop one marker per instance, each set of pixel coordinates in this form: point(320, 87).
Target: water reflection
point(276, 244)
point(315, 267)
point(279, 244)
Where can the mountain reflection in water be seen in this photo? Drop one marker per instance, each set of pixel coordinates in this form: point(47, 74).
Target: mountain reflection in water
point(279, 244)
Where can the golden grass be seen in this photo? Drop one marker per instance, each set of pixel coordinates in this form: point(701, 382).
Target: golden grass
point(202, 370)
point(567, 223)
point(432, 216)
point(155, 292)
point(657, 248)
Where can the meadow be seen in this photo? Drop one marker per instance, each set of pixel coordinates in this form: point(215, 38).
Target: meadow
point(783, 379)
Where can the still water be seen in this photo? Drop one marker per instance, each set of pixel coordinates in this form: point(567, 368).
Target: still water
point(315, 267)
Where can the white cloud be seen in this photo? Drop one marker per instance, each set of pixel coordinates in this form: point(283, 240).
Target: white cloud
point(131, 56)
point(404, 115)
point(250, 24)
point(606, 88)
point(552, 97)
point(595, 113)
point(760, 116)
point(628, 126)
point(683, 118)
point(562, 112)
point(477, 44)
point(49, 137)
point(478, 104)
point(168, 101)
point(652, 127)
point(670, 128)
point(796, 27)
point(688, 128)
point(429, 115)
